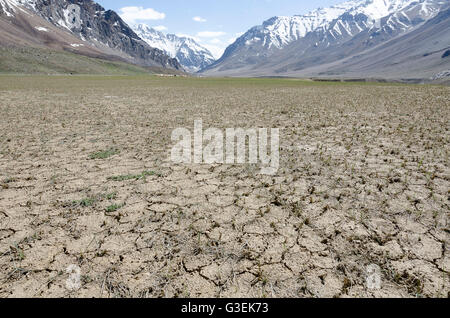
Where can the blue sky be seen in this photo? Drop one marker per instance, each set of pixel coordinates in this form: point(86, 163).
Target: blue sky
point(213, 23)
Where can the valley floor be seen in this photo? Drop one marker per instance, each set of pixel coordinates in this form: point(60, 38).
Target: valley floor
point(86, 180)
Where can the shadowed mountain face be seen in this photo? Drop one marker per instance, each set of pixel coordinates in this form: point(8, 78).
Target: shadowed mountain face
point(307, 45)
point(80, 26)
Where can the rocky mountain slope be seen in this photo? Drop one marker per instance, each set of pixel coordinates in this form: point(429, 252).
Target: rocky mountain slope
point(422, 53)
point(82, 27)
point(191, 55)
point(293, 45)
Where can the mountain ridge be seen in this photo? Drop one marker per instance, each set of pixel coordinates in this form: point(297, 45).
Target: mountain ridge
point(282, 45)
point(191, 55)
point(98, 31)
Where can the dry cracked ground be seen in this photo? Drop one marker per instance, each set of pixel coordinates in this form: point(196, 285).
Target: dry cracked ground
point(86, 180)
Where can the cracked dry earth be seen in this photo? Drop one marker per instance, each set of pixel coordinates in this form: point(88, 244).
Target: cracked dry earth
point(85, 180)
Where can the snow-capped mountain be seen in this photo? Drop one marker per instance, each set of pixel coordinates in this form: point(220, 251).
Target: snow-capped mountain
point(349, 17)
point(191, 55)
point(281, 44)
point(98, 31)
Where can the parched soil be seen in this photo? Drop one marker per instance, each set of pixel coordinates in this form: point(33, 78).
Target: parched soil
point(86, 180)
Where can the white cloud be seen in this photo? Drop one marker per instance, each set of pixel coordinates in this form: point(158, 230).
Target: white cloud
point(210, 34)
point(160, 28)
point(133, 14)
point(215, 41)
point(198, 19)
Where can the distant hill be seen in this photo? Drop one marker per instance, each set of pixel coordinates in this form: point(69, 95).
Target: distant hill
point(29, 60)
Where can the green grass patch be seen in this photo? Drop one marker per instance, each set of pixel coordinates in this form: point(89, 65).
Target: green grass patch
point(84, 203)
point(111, 196)
point(10, 180)
point(90, 201)
point(133, 176)
point(114, 207)
point(104, 154)
point(44, 61)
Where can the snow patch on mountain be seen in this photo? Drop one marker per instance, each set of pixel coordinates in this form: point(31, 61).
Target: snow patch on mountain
point(72, 17)
point(10, 6)
point(280, 31)
point(441, 75)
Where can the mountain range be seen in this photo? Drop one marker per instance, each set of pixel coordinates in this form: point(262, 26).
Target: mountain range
point(80, 27)
point(393, 39)
point(191, 55)
point(405, 40)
